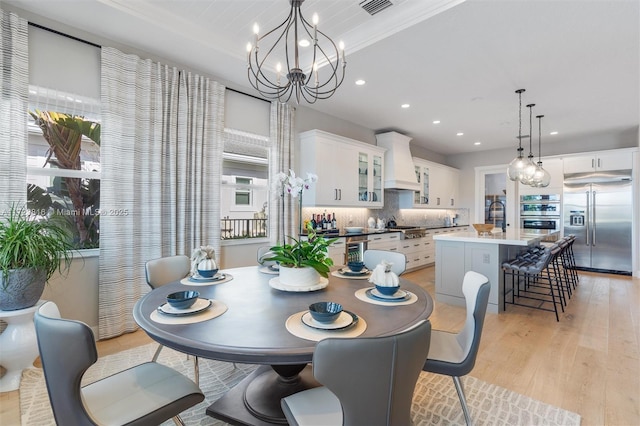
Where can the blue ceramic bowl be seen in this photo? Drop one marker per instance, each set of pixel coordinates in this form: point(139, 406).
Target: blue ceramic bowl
point(325, 311)
point(183, 299)
point(209, 273)
point(387, 291)
point(355, 266)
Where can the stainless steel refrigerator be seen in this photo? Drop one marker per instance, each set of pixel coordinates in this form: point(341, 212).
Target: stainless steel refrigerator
point(598, 211)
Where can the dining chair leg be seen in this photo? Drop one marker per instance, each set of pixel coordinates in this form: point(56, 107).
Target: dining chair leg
point(196, 371)
point(463, 400)
point(157, 354)
point(178, 421)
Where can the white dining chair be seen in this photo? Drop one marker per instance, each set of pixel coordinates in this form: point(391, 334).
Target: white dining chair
point(372, 258)
point(454, 354)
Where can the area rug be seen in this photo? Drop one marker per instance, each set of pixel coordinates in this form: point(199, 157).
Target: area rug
point(435, 400)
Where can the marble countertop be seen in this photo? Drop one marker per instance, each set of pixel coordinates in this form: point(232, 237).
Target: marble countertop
point(513, 237)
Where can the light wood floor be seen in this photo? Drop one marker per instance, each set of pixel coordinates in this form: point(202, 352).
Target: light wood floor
point(588, 363)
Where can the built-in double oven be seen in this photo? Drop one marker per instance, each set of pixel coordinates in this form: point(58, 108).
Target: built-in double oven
point(540, 211)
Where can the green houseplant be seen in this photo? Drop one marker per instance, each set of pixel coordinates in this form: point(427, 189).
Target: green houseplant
point(31, 252)
point(310, 251)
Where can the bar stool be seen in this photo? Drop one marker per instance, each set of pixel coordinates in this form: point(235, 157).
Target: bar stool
point(533, 279)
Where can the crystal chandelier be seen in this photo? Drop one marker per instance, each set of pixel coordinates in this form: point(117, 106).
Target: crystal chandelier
point(284, 43)
point(541, 178)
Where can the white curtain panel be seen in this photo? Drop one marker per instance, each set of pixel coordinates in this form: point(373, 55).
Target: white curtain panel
point(282, 127)
point(161, 148)
point(14, 62)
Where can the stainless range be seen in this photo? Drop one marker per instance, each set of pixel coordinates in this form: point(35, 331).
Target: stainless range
point(410, 232)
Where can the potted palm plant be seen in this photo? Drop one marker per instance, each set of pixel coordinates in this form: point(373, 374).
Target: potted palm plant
point(31, 251)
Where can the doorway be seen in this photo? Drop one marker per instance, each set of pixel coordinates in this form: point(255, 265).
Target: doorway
point(495, 197)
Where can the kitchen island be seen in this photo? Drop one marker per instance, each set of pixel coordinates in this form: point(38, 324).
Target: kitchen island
point(459, 252)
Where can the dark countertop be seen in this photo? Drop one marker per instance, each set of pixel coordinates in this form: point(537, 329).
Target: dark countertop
point(370, 231)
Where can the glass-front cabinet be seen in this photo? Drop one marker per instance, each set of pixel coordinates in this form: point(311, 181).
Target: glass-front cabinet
point(370, 189)
point(421, 198)
point(438, 186)
point(350, 173)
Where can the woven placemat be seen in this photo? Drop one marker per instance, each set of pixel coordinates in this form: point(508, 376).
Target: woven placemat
point(296, 327)
point(217, 308)
point(362, 295)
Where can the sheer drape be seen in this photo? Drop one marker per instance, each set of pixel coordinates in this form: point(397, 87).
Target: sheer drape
point(160, 190)
point(281, 160)
point(14, 62)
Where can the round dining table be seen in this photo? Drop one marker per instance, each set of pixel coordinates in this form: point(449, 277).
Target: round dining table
point(252, 330)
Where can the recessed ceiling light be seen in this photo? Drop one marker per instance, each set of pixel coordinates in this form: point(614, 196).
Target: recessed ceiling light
point(477, 143)
point(405, 105)
point(304, 43)
point(553, 133)
point(436, 121)
point(360, 82)
point(459, 134)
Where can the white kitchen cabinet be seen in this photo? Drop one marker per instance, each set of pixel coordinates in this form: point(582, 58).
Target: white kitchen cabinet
point(350, 173)
point(336, 251)
point(438, 186)
point(598, 161)
point(446, 187)
point(555, 168)
point(387, 241)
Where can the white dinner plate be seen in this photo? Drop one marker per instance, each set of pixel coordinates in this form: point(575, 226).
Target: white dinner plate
point(349, 273)
point(217, 277)
point(344, 320)
point(398, 295)
point(199, 306)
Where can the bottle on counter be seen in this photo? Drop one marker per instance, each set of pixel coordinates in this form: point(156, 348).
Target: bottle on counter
point(325, 224)
point(313, 221)
point(319, 223)
point(334, 223)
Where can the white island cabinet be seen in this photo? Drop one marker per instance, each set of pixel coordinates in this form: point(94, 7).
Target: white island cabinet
point(459, 252)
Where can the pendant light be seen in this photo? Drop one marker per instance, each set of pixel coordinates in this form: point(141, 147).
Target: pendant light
point(541, 178)
point(516, 167)
point(530, 167)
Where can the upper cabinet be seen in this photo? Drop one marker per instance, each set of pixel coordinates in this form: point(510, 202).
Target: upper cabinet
point(350, 173)
point(438, 186)
point(554, 167)
point(601, 161)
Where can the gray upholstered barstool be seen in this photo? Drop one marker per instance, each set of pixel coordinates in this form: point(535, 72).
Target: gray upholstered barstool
point(532, 279)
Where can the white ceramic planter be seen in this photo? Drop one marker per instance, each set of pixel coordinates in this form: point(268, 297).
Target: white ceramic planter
point(299, 277)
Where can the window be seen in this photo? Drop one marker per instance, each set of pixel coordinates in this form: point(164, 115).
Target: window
point(243, 191)
point(245, 186)
point(63, 163)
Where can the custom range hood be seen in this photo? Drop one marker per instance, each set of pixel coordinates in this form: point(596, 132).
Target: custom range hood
point(399, 172)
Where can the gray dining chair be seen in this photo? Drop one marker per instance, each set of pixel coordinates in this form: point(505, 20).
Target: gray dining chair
point(366, 380)
point(454, 354)
point(372, 258)
point(165, 270)
point(147, 394)
point(264, 251)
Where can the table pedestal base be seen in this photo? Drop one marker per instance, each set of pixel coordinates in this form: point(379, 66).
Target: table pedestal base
point(18, 345)
point(256, 399)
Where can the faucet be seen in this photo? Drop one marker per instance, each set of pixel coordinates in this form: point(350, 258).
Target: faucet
point(504, 213)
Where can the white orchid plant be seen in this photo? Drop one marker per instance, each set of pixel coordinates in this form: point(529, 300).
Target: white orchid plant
point(292, 184)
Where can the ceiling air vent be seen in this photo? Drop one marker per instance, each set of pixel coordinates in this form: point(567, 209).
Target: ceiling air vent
point(374, 6)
